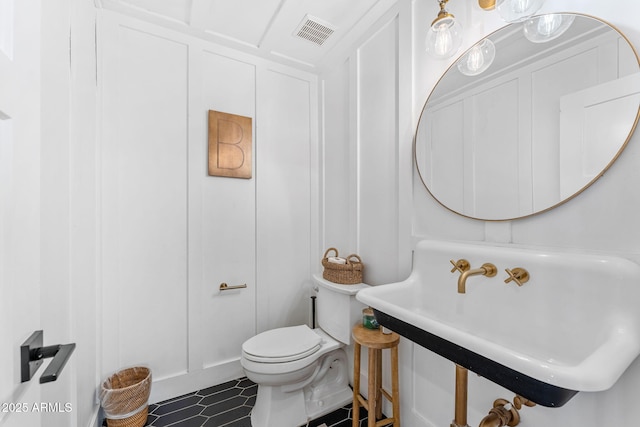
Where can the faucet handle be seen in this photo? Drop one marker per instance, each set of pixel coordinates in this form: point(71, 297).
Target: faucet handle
point(518, 275)
point(461, 265)
point(519, 401)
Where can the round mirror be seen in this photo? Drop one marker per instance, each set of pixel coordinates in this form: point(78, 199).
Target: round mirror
point(528, 117)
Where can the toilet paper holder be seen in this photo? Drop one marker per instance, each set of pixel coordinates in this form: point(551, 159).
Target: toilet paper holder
point(225, 287)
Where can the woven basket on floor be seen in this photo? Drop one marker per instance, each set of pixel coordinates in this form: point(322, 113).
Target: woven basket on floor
point(125, 396)
point(137, 420)
point(346, 274)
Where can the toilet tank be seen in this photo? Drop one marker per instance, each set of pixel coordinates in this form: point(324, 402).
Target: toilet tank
point(337, 308)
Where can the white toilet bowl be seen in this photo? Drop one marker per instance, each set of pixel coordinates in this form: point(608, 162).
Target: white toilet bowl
point(302, 373)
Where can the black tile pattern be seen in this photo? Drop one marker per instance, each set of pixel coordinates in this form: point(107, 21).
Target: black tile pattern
point(229, 405)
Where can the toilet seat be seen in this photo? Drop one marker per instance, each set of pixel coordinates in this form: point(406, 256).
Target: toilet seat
point(282, 345)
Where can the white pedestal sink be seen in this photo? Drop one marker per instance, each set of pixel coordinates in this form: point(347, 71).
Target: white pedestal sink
point(574, 326)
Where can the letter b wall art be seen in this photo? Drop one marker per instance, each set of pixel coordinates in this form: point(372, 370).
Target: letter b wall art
point(230, 142)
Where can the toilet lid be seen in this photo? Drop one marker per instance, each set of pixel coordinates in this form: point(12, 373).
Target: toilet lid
point(282, 344)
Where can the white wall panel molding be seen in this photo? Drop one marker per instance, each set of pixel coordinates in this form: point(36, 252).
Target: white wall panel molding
point(406, 128)
point(285, 164)
point(228, 209)
point(337, 155)
point(377, 153)
point(196, 153)
point(353, 172)
point(255, 231)
point(144, 169)
point(387, 10)
point(376, 176)
point(83, 209)
point(314, 178)
point(21, 206)
point(55, 198)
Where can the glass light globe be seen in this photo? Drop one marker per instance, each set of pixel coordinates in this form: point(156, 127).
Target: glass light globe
point(517, 10)
point(544, 28)
point(478, 58)
point(444, 38)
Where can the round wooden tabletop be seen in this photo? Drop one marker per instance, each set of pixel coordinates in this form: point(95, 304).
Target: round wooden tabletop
point(374, 338)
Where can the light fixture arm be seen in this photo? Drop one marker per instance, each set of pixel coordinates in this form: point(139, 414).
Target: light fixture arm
point(443, 12)
point(487, 4)
point(442, 4)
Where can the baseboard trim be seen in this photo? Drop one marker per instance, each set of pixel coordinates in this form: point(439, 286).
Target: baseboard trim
point(168, 388)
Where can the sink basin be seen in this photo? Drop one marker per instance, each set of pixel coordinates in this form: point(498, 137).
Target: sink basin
point(574, 326)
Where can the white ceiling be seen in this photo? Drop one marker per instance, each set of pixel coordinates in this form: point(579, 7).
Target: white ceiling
point(262, 27)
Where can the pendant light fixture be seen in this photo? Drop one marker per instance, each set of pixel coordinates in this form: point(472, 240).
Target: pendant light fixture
point(487, 4)
point(478, 58)
point(544, 28)
point(517, 10)
point(444, 37)
point(513, 10)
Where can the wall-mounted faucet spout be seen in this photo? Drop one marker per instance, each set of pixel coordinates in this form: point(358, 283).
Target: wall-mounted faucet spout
point(487, 269)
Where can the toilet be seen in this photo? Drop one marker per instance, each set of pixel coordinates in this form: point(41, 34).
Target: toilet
point(303, 373)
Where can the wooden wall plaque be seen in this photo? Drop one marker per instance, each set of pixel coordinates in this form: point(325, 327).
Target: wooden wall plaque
point(230, 144)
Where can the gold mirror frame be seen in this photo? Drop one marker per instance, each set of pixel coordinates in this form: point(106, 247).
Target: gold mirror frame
point(562, 200)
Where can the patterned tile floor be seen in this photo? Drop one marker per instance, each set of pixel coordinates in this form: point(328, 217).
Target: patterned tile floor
point(227, 405)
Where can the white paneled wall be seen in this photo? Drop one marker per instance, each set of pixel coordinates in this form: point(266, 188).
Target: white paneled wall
point(144, 200)
point(288, 140)
point(377, 141)
point(603, 218)
point(365, 197)
point(20, 190)
point(83, 218)
point(171, 234)
point(222, 216)
point(361, 145)
point(47, 205)
point(339, 174)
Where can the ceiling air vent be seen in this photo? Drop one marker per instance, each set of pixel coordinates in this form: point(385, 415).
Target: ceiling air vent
point(314, 30)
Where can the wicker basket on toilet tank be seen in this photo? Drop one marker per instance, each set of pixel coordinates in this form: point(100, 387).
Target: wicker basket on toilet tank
point(348, 273)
